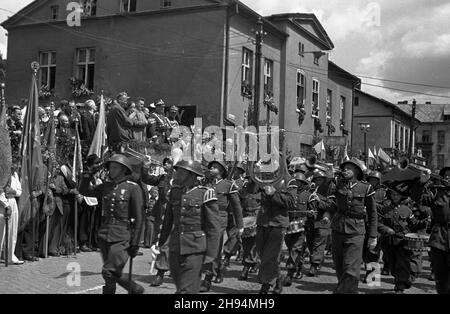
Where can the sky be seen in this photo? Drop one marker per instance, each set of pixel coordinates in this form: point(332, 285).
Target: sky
point(401, 40)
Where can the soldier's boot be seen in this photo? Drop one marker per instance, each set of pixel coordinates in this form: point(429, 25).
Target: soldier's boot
point(385, 271)
point(244, 274)
point(287, 282)
point(312, 271)
point(206, 283)
point(239, 256)
point(278, 289)
point(219, 276)
point(264, 288)
point(109, 288)
point(226, 260)
point(253, 270)
point(299, 273)
point(159, 280)
point(135, 287)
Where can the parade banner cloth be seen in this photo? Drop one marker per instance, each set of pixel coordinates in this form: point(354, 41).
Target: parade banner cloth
point(33, 169)
point(99, 140)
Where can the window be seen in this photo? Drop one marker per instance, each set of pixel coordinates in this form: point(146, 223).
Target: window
point(396, 135)
point(315, 99)
point(86, 66)
point(316, 59)
point(89, 7)
point(166, 3)
point(301, 49)
point(268, 77)
point(47, 69)
point(440, 161)
point(441, 137)
point(247, 72)
point(342, 102)
point(447, 117)
point(54, 10)
point(329, 103)
point(128, 6)
point(406, 138)
point(402, 144)
point(301, 95)
point(305, 150)
point(356, 101)
point(426, 136)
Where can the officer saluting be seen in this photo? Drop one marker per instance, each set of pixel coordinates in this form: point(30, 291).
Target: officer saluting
point(354, 204)
point(192, 223)
point(122, 201)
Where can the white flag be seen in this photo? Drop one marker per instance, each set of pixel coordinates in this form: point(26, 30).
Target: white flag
point(371, 155)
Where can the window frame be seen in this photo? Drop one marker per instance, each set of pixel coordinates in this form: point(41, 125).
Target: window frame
point(128, 10)
point(329, 108)
point(315, 108)
point(426, 136)
point(166, 4)
point(87, 4)
point(247, 71)
point(268, 76)
point(47, 67)
point(441, 132)
point(301, 49)
point(440, 157)
point(86, 64)
point(301, 84)
point(52, 12)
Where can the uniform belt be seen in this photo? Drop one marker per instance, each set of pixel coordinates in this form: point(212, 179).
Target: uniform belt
point(115, 221)
point(353, 215)
point(184, 228)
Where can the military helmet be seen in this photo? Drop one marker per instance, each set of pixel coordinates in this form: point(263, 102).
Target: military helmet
point(190, 165)
point(174, 109)
point(374, 174)
point(358, 164)
point(298, 176)
point(443, 170)
point(300, 168)
point(120, 159)
point(319, 174)
point(160, 103)
point(221, 163)
point(240, 165)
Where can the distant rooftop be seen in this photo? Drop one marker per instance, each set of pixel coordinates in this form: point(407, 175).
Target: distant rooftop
point(428, 113)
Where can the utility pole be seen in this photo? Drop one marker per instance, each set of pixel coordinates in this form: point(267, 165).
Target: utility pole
point(411, 130)
point(257, 88)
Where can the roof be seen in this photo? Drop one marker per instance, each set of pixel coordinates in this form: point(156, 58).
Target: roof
point(427, 113)
point(293, 17)
point(340, 72)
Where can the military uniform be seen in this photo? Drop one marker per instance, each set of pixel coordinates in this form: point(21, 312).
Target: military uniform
point(440, 236)
point(399, 218)
point(120, 202)
point(160, 127)
point(354, 204)
point(317, 229)
point(193, 226)
point(272, 222)
point(15, 129)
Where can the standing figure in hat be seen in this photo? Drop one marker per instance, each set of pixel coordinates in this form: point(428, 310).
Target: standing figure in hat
point(122, 202)
point(318, 222)
point(119, 128)
point(354, 205)
point(229, 203)
point(174, 124)
point(440, 231)
point(191, 227)
point(162, 125)
point(395, 220)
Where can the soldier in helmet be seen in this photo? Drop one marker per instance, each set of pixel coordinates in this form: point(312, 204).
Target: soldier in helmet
point(229, 203)
point(354, 204)
point(318, 222)
point(193, 226)
point(118, 235)
point(295, 237)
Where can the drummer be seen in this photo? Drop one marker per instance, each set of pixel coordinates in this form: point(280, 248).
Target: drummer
point(395, 220)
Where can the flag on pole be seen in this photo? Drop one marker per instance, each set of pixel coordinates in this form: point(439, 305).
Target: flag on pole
point(371, 156)
point(320, 149)
point(99, 140)
point(77, 166)
point(383, 156)
point(345, 153)
point(33, 170)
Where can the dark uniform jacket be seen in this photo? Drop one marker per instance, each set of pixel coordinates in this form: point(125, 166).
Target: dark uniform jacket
point(119, 126)
point(160, 126)
point(440, 231)
point(87, 126)
point(192, 222)
point(323, 207)
point(354, 205)
point(120, 202)
point(250, 199)
point(61, 193)
point(228, 201)
point(274, 208)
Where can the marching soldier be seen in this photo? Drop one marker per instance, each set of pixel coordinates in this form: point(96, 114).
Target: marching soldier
point(251, 204)
point(354, 204)
point(229, 203)
point(122, 202)
point(318, 222)
point(395, 220)
point(193, 226)
point(295, 241)
point(440, 231)
point(272, 221)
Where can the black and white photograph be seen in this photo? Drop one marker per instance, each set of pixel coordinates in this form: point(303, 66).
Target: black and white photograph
point(225, 147)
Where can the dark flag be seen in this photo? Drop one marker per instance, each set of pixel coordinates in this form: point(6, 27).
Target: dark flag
point(32, 172)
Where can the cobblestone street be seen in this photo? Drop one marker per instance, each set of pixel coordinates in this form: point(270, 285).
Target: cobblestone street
point(56, 276)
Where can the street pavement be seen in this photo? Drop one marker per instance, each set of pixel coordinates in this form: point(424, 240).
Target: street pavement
point(81, 274)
